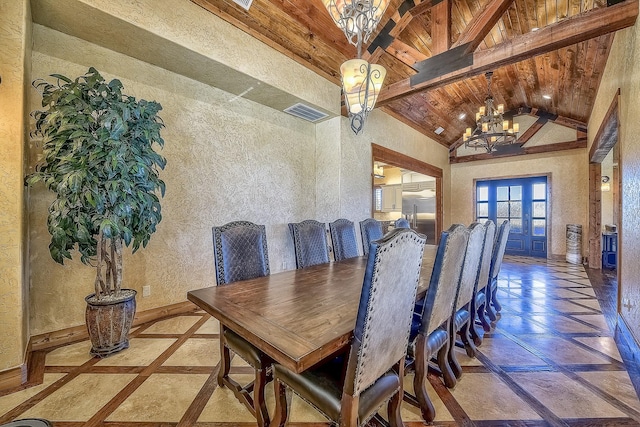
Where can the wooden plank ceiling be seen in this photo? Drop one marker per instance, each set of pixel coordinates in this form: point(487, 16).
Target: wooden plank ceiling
point(536, 49)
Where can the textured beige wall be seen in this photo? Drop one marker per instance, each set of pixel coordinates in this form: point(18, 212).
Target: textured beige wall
point(356, 161)
point(568, 181)
point(180, 36)
point(552, 133)
point(623, 72)
point(14, 46)
point(227, 160)
point(328, 154)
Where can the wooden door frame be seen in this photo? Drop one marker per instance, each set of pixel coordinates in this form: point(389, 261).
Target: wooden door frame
point(394, 158)
point(606, 138)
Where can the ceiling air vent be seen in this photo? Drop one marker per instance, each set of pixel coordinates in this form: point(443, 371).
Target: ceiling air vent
point(245, 4)
point(305, 112)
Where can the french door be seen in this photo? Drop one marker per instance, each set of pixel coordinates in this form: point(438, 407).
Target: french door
point(522, 201)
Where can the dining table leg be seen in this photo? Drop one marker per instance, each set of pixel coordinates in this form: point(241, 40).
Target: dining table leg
point(225, 359)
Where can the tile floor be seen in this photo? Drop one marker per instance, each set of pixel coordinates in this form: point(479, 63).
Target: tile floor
point(551, 361)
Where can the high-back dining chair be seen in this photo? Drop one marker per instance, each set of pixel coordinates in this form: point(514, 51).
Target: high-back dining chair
point(343, 239)
point(492, 306)
point(350, 390)
point(240, 253)
point(479, 300)
point(430, 328)
point(402, 223)
point(461, 318)
point(310, 243)
point(371, 230)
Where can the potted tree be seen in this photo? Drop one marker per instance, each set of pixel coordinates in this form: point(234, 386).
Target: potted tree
point(99, 160)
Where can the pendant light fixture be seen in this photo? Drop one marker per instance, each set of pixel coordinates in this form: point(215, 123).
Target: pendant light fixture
point(361, 81)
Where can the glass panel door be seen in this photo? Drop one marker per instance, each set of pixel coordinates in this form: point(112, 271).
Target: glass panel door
point(523, 202)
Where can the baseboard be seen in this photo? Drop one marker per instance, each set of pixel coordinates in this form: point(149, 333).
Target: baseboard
point(629, 350)
point(12, 378)
point(629, 339)
point(79, 333)
point(30, 372)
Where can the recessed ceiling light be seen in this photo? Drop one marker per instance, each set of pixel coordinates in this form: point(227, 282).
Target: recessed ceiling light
point(546, 96)
point(462, 116)
point(535, 29)
point(439, 130)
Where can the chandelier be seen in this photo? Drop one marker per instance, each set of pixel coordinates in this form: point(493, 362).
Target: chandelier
point(491, 128)
point(361, 81)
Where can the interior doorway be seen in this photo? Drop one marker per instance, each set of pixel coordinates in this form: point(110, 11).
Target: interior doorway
point(604, 193)
point(416, 196)
point(402, 194)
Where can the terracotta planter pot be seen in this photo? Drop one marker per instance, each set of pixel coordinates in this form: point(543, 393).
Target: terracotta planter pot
point(109, 321)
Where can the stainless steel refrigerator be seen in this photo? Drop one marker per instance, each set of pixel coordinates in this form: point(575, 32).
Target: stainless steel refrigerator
point(419, 207)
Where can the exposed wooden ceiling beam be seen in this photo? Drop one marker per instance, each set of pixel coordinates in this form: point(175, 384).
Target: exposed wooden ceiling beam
point(607, 135)
point(532, 130)
point(405, 15)
point(401, 24)
point(373, 57)
point(390, 31)
point(570, 31)
point(441, 27)
point(421, 8)
point(543, 118)
point(580, 142)
point(405, 53)
point(481, 24)
point(559, 120)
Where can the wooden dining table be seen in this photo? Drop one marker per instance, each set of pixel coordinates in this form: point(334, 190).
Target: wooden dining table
point(297, 317)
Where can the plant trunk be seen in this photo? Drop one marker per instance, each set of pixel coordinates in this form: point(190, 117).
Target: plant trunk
point(109, 267)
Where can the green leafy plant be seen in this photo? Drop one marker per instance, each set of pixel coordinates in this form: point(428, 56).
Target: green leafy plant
point(99, 160)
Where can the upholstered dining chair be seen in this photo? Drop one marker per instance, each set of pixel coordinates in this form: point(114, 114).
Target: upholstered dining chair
point(240, 253)
point(371, 230)
point(430, 327)
point(479, 300)
point(402, 223)
point(343, 239)
point(351, 389)
point(492, 306)
point(461, 318)
point(310, 243)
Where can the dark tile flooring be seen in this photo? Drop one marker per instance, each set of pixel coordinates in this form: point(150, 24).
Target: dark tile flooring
point(555, 358)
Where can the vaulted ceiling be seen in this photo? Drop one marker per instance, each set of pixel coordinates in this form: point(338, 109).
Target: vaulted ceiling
point(547, 56)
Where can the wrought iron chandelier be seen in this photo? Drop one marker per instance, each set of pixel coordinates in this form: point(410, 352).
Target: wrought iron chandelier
point(361, 81)
point(491, 128)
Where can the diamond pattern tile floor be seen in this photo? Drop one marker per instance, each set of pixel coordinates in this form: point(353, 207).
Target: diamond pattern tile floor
point(551, 360)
